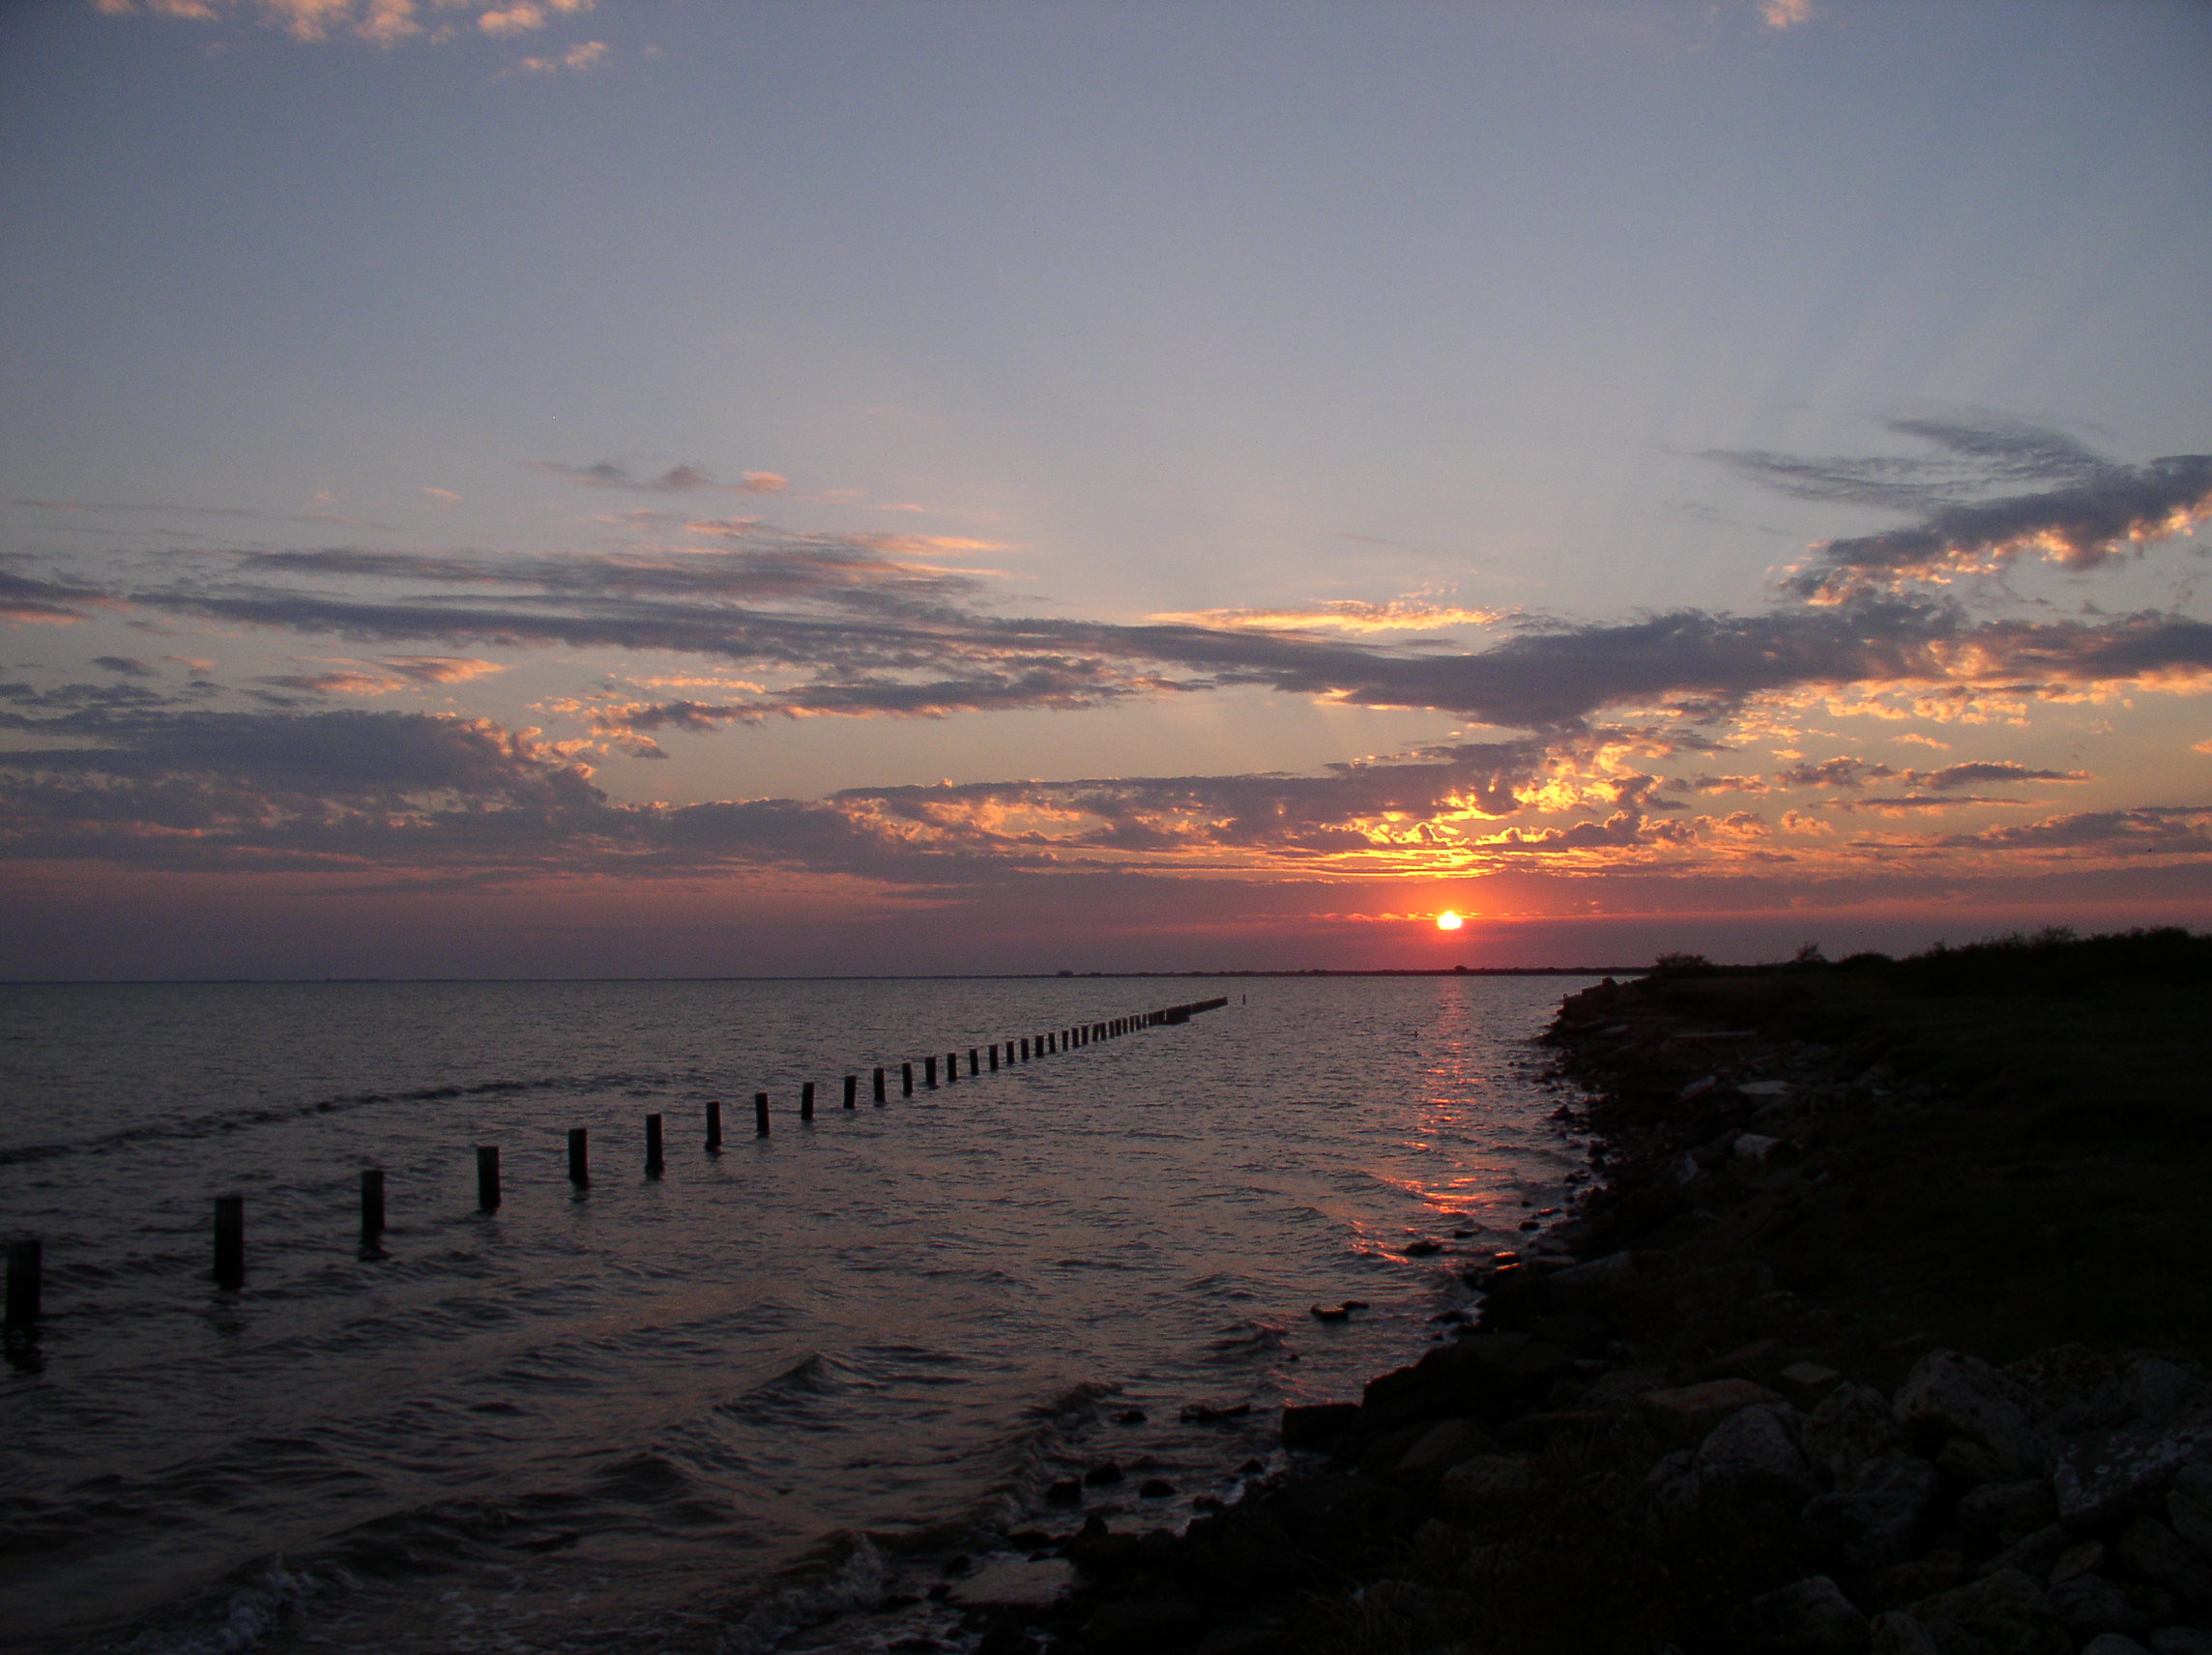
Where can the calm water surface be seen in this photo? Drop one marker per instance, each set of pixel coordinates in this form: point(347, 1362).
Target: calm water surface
point(731, 1408)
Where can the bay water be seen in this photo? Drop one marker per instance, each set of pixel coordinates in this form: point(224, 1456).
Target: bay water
point(755, 1403)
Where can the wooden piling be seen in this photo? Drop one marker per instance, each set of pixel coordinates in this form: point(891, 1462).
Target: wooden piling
point(974, 1067)
point(929, 1071)
point(878, 1085)
point(654, 1164)
point(993, 1057)
point(579, 1157)
point(759, 1115)
point(852, 1090)
point(371, 1203)
point(906, 1080)
point(23, 1269)
point(952, 1067)
point(714, 1127)
point(807, 1101)
point(230, 1241)
point(487, 1177)
point(1025, 1049)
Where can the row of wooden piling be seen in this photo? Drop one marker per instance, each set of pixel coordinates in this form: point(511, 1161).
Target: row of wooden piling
point(26, 1254)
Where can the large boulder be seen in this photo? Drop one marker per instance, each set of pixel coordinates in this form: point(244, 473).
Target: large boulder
point(2007, 1511)
point(1482, 1375)
point(1687, 1413)
point(2091, 1603)
point(1948, 1394)
point(1880, 1514)
point(1851, 1426)
point(1896, 1633)
point(1753, 1451)
point(1811, 1616)
point(2189, 1505)
point(2000, 1614)
point(2105, 1475)
point(2150, 1550)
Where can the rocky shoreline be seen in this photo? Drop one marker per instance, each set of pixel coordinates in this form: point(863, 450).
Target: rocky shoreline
point(1651, 1442)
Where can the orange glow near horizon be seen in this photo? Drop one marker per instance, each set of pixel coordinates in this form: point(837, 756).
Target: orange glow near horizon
point(1448, 920)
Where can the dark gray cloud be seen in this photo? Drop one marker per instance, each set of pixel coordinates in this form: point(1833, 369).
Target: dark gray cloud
point(676, 479)
point(2092, 510)
point(2149, 830)
point(130, 666)
point(22, 598)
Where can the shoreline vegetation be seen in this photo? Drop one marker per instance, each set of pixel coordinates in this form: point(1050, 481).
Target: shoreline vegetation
point(1881, 1330)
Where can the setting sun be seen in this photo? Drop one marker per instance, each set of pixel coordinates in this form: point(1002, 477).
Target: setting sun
point(1448, 920)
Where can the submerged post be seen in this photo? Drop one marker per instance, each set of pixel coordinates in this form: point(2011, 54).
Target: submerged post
point(579, 1157)
point(952, 1067)
point(487, 1177)
point(759, 1115)
point(23, 1262)
point(230, 1241)
point(852, 1090)
point(974, 1068)
point(652, 1161)
point(929, 1071)
point(906, 1080)
point(807, 1101)
point(714, 1127)
point(993, 1057)
point(1025, 1049)
point(878, 1085)
point(371, 1203)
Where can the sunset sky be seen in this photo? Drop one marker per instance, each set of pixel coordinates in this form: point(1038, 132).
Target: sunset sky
point(682, 487)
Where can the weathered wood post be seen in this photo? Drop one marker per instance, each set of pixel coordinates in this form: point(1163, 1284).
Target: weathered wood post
point(371, 1203)
point(487, 1177)
point(714, 1127)
point(974, 1067)
point(23, 1263)
point(952, 1067)
point(759, 1115)
point(807, 1101)
point(230, 1241)
point(654, 1164)
point(580, 1156)
point(1025, 1049)
point(852, 1090)
point(878, 1085)
point(929, 1071)
point(993, 1057)
point(906, 1080)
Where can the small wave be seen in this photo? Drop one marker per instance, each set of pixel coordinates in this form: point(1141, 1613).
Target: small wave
point(246, 1617)
point(819, 1593)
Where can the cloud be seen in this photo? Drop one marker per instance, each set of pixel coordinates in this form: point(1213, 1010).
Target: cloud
point(611, 474)
point(383, 678)
point(590, 54)
point(2095, 511)
point(130, 666)
point(442, 496)
point(44, 602)
point(1785, 14)
point(1344, 615)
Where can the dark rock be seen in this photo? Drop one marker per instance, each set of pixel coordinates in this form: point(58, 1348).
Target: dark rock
point(2008, 1511)
point(1598, 1284)
point(1482, 1375)
point(1421, 1249)
point(1948, 1394)
point(1916, 1580)
point(1580, 1331)
point(1479, 1485)
point(1154, 1488)
point(1241, 1638)
point(2112, 1643)
point(2092, 1603)
point(2180, 1641)
point(1851, 1426)
point(1199, 1413)
point(2161, 1391)
point(2033, 1554)
point(2072, 1388)
point(1969, 1463)
point(1130, 1416)
point(1809, 1617)
point(2150, 1550)
point(1883, 1509)
point(2189, 1506)
point(1103, 1475)
point(1687, 1413)
point(1440, 1448)
point(1753, 1450)
point(1318, 1426)
point(2084, 1558)
point(2105, 1475)
point(2001, 1614)
point(1067, 1491)
point(1139, 1625)
point(1896, 1633)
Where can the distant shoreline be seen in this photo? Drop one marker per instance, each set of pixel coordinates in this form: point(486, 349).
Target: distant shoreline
point(851, 977)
